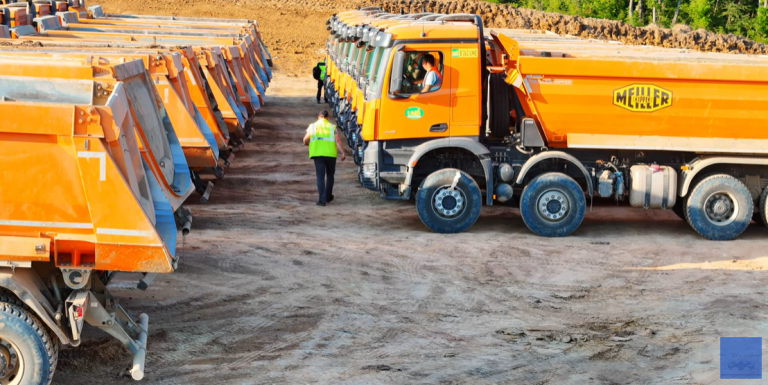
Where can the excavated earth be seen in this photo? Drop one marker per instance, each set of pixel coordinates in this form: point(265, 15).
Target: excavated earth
point(274, 290)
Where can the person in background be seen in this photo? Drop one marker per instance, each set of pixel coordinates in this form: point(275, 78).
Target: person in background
point(324, 145)
point(319, 74)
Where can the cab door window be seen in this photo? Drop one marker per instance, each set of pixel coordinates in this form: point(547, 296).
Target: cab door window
point(422, 72)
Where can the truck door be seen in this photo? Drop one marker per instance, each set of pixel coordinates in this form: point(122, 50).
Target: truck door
point(408, 110)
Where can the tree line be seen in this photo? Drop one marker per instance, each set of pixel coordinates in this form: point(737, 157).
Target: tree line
point(748, 18)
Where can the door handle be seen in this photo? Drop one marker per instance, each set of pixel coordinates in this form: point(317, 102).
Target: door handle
point(440, 127)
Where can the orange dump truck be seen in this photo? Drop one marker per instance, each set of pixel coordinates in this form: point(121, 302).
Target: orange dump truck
point(548, 123)
point(89, 191)
point(107, 125)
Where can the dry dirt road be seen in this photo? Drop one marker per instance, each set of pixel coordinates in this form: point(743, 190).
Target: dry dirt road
point(274, 290)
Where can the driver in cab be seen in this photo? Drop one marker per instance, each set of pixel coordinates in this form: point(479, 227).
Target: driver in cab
point(418, 82)
point(432, 79)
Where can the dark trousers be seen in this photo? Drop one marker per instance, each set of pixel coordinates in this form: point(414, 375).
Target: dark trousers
point(325, 168)
point(320, 86)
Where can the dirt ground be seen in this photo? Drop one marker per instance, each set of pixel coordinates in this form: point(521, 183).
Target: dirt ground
point(272, 289)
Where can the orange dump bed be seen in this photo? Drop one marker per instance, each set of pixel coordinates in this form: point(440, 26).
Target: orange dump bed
point(71, 153)
point(595, 94)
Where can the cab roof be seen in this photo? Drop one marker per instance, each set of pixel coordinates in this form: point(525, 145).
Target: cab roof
point(434, 30)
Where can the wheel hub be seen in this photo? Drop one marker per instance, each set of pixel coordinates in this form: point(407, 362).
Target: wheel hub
point(448, 203)
point(10, 364)
point(5, 361)
point(721, 209)
point(553, 205)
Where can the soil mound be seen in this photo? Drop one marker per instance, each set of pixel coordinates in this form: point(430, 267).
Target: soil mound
point(505, 16)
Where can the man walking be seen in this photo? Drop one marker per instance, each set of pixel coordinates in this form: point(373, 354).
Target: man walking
point(319, 74)
point(324, 144)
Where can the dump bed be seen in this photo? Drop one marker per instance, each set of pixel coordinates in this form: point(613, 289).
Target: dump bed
point(98, 14)
point(195, 137)
point(158, 141)
point(62, 142)
point(594, 94)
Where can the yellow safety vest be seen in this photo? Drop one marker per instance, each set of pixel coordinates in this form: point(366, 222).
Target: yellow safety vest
point(322, 141)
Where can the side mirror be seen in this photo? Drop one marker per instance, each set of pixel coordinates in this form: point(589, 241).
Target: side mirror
point(397, 73)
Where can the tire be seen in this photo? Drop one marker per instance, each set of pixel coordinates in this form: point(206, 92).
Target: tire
point(499, 106)
point(719, 207)
point(23, 334)
point(444, 211)
point(8, 296)
point(763, 207)
point(553, 205)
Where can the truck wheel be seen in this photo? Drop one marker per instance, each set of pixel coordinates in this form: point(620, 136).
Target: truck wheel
point(553, 205)
point(719, 207)
point(445, 210)
point(28, 355)
point(8, 296)
point(764, 207)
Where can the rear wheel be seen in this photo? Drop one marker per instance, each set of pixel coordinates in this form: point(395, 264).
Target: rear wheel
point(553, 205)
point(719, 207)
point(28, 355)
point(448, 201)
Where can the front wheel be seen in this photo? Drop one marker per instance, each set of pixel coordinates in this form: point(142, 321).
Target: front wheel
point(448, 201)
point(553, 205)
point(28, 354)
point(719, 207)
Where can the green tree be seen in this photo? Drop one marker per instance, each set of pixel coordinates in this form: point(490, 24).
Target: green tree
point(760, 26)
point(699, 15)
point(742, 17)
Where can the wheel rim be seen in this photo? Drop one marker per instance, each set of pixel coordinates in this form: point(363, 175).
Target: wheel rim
point(721, 208)
point(553, 205)
point(11, 363)
point(449, 203)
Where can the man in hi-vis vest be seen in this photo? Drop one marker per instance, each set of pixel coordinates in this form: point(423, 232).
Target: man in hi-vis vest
point(324, 144)
point(318, 72)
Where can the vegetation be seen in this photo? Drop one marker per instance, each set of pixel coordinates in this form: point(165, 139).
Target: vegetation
point(748, 18)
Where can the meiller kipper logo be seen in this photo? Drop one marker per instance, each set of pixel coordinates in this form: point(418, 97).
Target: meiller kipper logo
point(642, 98)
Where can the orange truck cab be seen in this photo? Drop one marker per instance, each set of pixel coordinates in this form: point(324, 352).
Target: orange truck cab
point(548, 123)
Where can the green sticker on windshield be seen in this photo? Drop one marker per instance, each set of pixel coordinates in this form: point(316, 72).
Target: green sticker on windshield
point(414, 113)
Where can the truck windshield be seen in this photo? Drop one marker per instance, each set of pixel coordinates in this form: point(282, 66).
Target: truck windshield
point(359, 61)
point(369, 57)
point(351, 52)
point(378, 69)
